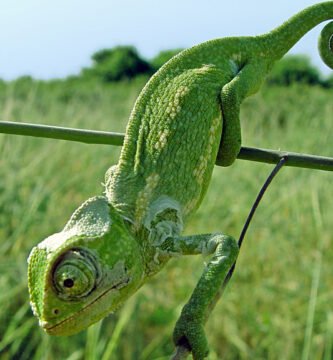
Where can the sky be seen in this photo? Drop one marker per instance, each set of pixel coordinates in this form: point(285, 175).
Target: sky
point(53, 39)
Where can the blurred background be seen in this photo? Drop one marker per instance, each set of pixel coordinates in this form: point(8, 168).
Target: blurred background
point(82, 64)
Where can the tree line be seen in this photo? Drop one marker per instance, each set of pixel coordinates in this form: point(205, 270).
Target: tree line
point(125, 63)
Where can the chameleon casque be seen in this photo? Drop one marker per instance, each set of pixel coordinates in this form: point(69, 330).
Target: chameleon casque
point(186, 116)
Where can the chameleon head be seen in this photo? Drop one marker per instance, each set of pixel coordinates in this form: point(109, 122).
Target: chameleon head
point(78, 276)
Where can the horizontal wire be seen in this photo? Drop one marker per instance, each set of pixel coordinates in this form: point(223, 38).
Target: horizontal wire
point(112, 138)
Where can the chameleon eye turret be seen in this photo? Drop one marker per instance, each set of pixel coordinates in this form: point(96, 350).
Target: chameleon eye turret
point(76, 274)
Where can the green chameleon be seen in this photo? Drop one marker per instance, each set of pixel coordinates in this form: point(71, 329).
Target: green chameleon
point(114, 243)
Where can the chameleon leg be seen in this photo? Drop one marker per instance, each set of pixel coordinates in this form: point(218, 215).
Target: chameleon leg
point(245, 83)
point(231, 140)
point(189, 329)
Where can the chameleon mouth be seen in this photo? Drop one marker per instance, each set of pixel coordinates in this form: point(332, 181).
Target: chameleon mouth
point(62, 328)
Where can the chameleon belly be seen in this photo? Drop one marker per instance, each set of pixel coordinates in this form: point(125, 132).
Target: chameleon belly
point(178, 133)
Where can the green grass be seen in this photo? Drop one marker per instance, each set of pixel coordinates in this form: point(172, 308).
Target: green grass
point(279, 302)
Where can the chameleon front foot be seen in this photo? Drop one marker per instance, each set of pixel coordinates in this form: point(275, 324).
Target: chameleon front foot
point(189, 330)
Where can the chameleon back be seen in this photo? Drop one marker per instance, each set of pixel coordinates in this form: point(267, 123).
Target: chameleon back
point(171, 141)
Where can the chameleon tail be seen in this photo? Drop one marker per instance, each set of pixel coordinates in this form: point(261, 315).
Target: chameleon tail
point(282, 38)
point(325, 44)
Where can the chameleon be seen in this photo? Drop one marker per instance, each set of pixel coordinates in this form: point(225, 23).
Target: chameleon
point(186, 116)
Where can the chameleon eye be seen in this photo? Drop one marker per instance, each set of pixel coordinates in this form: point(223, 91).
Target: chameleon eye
point(76, 274)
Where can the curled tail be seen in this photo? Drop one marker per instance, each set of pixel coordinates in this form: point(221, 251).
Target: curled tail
point(325, 44)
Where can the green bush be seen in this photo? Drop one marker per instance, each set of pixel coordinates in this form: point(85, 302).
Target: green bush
point(294, 68)
point(121, 62)
point(22, 86)
point(328, 83)
point(162, 57)
point(2, 87)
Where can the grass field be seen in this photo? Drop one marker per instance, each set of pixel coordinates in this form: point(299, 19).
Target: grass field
point(279, 302)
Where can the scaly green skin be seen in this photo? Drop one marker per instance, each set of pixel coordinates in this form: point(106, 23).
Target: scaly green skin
point(114, 243)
